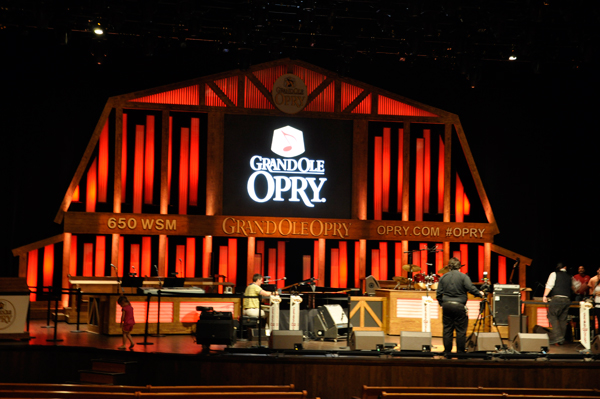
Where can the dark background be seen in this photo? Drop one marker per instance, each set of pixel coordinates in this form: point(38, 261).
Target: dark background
point(531, 124)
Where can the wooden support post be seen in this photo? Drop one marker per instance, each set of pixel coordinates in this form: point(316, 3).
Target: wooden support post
point(321, 277)
point(214, 164)
point(250, 259)
point(66, 266)
point(406, 176)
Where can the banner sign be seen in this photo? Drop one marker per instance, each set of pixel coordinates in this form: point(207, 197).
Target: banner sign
point(276, 227)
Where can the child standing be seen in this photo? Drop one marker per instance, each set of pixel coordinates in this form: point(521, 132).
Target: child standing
point(127, 321)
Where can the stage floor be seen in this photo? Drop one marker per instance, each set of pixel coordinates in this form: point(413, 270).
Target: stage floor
point(185, 344)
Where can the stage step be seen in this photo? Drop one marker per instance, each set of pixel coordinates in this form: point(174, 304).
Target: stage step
point(110, 372)
point(101, 377)
point(114, 366)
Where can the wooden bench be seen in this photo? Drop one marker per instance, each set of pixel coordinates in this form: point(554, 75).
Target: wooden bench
point(374, 392)
point(115, 394)
point(147, 388)
point(430, 395)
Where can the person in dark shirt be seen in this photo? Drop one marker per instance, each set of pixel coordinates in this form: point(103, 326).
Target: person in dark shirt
point(452, 296)
point(558, 288)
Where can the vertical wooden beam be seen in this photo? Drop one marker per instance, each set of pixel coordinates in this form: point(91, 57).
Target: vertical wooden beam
point(164, 163)
point(114, 253)
point(321, 277)
point(359, 169)
point(250, 259)
point(404, 256)
point(214, 164)
point(162, 255)
point(207, 257)
point(117, 196)
point(487, 257)
point(66, 266)
point(362, 266)
point(406, 172)
point(446, 246)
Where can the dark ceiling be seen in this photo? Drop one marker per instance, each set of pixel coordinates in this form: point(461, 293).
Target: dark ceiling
point(464, 36)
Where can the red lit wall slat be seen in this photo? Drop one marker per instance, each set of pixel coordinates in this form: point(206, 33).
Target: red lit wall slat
point(32, 271)
point(260, 249)
point(423, 255)
point(501, 269)
point(134, 259)
point(426, 169)
point(349, 93)
point(280, 263)
point(375, 263)
point(311, 79)
point(419, 181)
point(439, 258)
point(124, 161)
point(480, 261)
point(335, 268)
point(400, 169)
point(316, 259)
point(464, 258)
point(181, 261)
point(324, 102)
point(211, 98)
point(100, 256)
point(206, 255)
point(440, 199)
point(466, 204)
point(121, 256)
point(73, 256)
point(194, 160)
point(398, 259)
point(357, 264)
point(364, 107)
point(184, 154)
point(387, 106)
point(383, 260)
point(103, 164)
point(149, 160)
point(88, 259)
point(229, 86)
point(272, 262)
point(48, 266)
point(223, 264)
point(170, 159)
point(91, 187)
point(184, 96)
point(232, 260)
point(343, 264)
point(378, 179)
point(306, 267)
point(146, 266)
point(75, 197)
point(190, 257)
point(138, 169)
point(459, 201)
point(386, 169)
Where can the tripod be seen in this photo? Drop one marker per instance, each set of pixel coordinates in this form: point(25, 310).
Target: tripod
point(481, 317)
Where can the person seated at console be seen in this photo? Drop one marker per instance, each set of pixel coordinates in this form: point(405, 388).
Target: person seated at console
point(252, 305)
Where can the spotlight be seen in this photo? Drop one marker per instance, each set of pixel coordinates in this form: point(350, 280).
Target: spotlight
point(97, 28)
point(512, 57)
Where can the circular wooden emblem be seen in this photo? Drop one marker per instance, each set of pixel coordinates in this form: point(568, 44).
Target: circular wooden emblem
point(289, 94)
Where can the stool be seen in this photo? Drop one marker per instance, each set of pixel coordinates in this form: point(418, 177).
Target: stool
point(247, 323)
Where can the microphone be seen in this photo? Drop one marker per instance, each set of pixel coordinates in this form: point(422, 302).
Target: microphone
point(266, 277)
point(156, 268)
point(113, 266)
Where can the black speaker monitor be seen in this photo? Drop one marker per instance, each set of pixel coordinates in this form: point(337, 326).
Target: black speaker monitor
point(504, 306)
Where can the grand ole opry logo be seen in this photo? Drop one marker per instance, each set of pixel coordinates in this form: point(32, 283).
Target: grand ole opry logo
point(292, 177)
point(7, 314)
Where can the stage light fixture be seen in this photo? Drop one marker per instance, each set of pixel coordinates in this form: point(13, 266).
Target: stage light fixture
point(512, 57)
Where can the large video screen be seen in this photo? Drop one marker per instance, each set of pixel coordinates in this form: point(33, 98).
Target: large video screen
point(287, 167)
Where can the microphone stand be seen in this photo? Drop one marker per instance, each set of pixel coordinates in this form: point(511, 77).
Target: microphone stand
point(158, 334)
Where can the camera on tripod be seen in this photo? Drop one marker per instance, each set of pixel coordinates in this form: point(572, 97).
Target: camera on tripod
point(486, 287)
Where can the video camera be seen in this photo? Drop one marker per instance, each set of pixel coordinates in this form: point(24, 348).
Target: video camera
point(486, 287)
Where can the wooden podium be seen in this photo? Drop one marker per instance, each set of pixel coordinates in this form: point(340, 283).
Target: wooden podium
point(14, 305)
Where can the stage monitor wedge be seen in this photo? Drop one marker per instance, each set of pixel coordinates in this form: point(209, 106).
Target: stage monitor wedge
point(371, 284)
point(285, 339)
point(484, 342)
point(531, 342)
point(414, 340)
point(366, 340)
